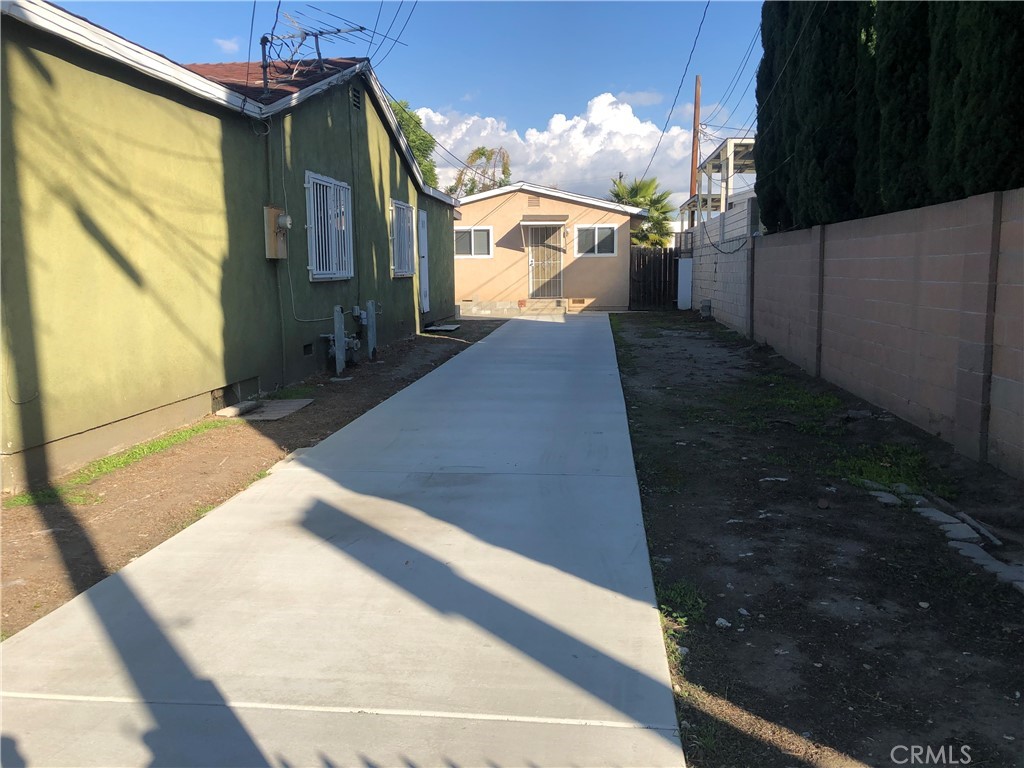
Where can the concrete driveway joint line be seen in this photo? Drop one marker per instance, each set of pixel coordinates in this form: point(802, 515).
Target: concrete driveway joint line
point(460, 576)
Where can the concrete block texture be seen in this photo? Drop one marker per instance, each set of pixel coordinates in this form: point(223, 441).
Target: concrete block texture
point(786, 268)
point(922, 313)
point(1006, 395)
point(724, 278)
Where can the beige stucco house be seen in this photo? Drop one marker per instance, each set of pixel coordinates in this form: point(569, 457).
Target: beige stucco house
point(524, 243)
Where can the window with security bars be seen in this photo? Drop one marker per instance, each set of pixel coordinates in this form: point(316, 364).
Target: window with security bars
point(329, 228)
point(402, 241)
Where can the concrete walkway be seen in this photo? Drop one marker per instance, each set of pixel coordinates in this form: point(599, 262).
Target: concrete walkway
point(457, 578)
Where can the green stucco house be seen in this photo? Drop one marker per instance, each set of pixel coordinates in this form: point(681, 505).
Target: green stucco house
point(149, 272)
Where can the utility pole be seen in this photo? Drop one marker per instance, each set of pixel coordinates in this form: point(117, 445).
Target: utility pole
point(695, 150)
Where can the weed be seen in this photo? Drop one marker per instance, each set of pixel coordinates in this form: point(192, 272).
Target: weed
point(705, 737)
point(680, 602)
point(67, 492)
point(195, 515)
point(757, 400)
point(296, 392)
point(887, 464)
point(725, 335)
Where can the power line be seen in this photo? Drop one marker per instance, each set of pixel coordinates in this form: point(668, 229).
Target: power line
point(399, 37)
point(375, 33)
point(375, 23)
point(678, 90)
point(248, 50)
point(394, 18)
point(735, 78)
point(457, 162)
point(782, 71)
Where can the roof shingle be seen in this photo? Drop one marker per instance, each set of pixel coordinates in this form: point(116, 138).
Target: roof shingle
point(247, 78)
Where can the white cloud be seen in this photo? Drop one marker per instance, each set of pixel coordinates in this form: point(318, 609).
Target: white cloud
point(581, 153)
point(228, 46)
point(640, 98)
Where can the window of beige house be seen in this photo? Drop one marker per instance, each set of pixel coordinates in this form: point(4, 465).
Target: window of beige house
point(474, 242)
point(597, 240)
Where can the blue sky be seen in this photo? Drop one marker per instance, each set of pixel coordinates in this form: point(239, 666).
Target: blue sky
point(575, 91)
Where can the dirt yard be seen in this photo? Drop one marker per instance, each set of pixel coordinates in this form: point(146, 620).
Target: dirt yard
point(53, 551)
point(850, 632)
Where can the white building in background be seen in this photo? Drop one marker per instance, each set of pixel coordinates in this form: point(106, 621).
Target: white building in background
point(724, 206)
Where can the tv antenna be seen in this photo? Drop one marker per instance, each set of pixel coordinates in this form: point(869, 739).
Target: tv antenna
point(296, 43)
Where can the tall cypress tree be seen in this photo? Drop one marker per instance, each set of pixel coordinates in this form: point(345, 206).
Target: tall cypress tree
point(828, 137)
point(989, 91)
point(769, 149)
point(944, 69)
point(866, 189)
point(902, 84)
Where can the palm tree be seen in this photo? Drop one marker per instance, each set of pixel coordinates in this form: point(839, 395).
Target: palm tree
point(654, 231)
point(481, 172)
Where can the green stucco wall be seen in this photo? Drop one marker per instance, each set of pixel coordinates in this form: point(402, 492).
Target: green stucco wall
point(134, 269)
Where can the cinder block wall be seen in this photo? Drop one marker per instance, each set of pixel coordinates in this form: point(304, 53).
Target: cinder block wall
point(786, 285)
point(921, 312)
point(1006, 419)
point(725, 279)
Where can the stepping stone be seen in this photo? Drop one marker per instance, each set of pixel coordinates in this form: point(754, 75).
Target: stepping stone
point(272, 410)
point(961, 532)
point(936, 516)
point(887, 499)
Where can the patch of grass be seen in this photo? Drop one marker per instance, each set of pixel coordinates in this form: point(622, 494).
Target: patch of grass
point(296, 392)
point(891, 463)
point(680, 602)
point(68, 491)
point(726, 335)
point(195, 515)
point(758, 400)
point(705, 737)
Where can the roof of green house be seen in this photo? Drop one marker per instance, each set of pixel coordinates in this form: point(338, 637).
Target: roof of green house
point(246, 78)
point(236, 86)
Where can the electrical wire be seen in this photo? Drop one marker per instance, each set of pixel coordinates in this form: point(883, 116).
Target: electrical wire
point(376, 21)
point(457, 162)
point(783, 70)
point(392, 24)
point(399, 37)
point(248, 53)
point(678, 90)
point(735, 78)
point(288, 234)
point(352, 23)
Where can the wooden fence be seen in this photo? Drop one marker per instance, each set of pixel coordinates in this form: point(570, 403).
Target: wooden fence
point(653, 274)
